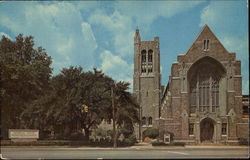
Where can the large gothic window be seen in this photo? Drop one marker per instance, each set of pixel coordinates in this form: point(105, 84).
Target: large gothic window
point(204, 92)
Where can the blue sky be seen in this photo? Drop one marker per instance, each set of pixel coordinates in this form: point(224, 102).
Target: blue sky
point(100, 33)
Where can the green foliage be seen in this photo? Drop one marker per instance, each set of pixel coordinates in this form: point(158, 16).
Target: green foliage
point(25, 74)
point(77, 136)
point(168, 144)
point(131, 140)
point(31, 98)
point(151, 133)
point(243, 141)
point(101, 132)
point(159, 144)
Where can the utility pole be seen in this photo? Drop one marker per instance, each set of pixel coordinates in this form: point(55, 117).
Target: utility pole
point(140, 118)
point(114, 118)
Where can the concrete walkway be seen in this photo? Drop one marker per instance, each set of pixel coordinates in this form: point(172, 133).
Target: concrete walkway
point(138, 146)
point(141, 145)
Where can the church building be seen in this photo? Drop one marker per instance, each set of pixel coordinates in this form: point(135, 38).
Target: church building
point(202, 101)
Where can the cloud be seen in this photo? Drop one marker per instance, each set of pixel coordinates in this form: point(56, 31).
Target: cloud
point(229, 21)
point(4, 34)
point(58, 27)
point(145, 12)
point(116, 67)
point(121, 22)
point(120, 27)
point(219, 14)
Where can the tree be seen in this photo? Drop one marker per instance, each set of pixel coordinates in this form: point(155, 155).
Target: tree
point(31, 98)
point(25, 74)
point(126, 109)
point(61, 108)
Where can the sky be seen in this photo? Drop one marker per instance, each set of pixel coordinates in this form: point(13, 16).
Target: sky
point(100, 33)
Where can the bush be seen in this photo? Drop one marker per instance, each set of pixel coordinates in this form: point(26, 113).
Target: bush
point(151, 133)
point(243, 141)
point(59, 136)
point(179, 143)
point(76, 136)
point(159, 144)
point(37, 143)
point(168, 144)
point(147, 139)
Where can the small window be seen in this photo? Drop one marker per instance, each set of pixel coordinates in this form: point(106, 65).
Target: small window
point(143, 120)
point(224, 129)
point(150, 121)
point(191, 129)
point(206, 44)
point(150, 55)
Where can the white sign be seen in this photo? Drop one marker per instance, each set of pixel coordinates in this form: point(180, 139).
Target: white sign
point(23, 133)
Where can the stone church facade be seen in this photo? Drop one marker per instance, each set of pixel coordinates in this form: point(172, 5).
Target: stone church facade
point(202, 101)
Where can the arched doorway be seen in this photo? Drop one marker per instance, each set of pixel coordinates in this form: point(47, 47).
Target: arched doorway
point(206, 130)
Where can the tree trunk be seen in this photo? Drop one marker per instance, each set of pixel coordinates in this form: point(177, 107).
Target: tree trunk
point(114, 120)
point(87, 133)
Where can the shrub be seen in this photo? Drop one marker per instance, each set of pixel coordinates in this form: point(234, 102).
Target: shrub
point(179, 143)
point(59, 136)
point(76, 136)
point(151, 133)
point(243, 141)
point(159, 144)
point(131, 140)
point(147, 139)
point(168, 144)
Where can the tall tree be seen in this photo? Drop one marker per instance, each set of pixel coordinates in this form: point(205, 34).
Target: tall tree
point(126, 108)
point(72, 88)
point(25, 73)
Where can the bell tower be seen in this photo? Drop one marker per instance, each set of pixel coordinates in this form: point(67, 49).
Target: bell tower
point(147, 80)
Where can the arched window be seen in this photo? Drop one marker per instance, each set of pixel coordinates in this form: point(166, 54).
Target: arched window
point(143, 120)
point(150, 55)
point(150, 60)
point(150, 121)
point(143, 56)
point(206, 44)
point(203, 85)
point(143, 61)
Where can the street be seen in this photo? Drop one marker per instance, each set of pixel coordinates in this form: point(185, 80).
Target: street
point(122, 153)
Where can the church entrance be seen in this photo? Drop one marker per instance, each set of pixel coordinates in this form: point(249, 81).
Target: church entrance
point(206, 130)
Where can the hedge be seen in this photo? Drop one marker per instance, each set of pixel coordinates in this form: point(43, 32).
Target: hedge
point(168, 144)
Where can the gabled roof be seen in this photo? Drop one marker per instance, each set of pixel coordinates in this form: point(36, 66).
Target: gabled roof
point(205, 32)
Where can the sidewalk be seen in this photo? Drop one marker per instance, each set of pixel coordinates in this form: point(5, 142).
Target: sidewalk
point(138, 146)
